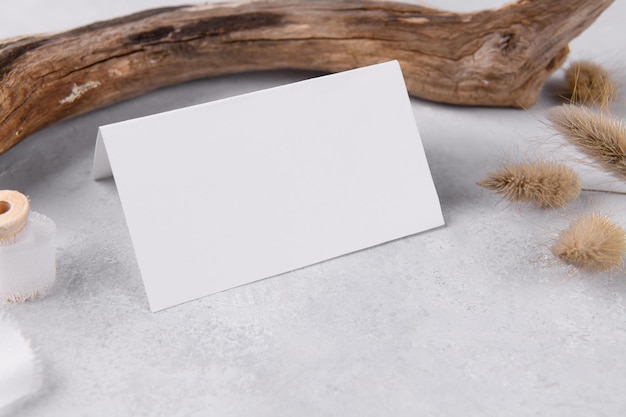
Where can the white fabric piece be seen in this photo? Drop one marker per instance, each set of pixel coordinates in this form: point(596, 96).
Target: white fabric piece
point(19, 369)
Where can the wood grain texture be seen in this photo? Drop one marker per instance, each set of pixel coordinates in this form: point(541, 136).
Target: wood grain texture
point(499, 57)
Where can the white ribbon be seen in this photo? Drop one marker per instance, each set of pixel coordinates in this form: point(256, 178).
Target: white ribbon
point(19, 368)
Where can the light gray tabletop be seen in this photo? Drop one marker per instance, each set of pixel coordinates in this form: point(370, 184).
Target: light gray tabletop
point(472, 319)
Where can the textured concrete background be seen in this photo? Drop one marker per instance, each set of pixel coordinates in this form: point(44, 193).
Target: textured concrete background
point(473, 319)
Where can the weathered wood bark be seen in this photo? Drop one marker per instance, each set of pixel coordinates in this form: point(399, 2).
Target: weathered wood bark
point(500, 57)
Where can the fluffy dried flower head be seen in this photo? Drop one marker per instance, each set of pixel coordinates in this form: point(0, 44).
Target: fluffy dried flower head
point(598, 136)
point(544, 184)
point(589, 83)
point(592, 243)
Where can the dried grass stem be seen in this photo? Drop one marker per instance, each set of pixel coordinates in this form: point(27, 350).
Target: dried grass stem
point(590, 83)
point(544, 184)
point(592, 243)
point(597, 135)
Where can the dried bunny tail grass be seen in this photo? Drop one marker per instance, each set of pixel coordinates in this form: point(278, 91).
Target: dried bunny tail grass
point(545, 184)
point(593, 244)
point(589, 83)
point(599, 136)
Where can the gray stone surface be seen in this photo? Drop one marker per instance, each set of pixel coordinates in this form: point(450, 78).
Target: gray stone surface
point(472, 319)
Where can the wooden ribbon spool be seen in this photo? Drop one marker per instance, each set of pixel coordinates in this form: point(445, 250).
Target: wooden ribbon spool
point(27, 253)
point(14, 209)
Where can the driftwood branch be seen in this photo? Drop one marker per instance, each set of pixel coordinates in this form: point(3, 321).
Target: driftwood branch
point(500, 57)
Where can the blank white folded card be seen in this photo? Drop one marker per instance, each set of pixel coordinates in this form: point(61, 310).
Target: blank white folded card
point(229, 192)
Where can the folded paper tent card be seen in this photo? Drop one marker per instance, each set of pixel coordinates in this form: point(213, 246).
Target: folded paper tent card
point(229, 192)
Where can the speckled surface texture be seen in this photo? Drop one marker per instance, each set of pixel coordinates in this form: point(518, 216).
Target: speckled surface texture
point(472, 319)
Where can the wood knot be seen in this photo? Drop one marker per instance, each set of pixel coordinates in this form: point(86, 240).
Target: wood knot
point(507, 42)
